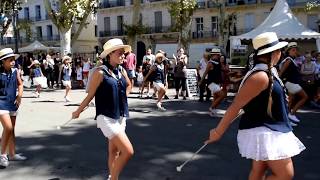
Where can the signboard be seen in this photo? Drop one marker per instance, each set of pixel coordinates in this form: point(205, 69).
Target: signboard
point(192, 83)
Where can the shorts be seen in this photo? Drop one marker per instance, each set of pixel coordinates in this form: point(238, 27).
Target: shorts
point(158, 86)
point(214, 88)
point(131, 74)
point(11, 113)
point(85, 73)
point(293, 88)
point(66, 83)
point(111, 127)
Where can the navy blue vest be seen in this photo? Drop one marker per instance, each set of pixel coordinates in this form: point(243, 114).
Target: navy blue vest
point(255, 112)
point(111, 99)
point(214, 75)
point(159, 73)
point(8, 90)
point(292, 73)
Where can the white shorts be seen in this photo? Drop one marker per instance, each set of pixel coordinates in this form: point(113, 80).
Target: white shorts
point(293, 88)
point(111, 127)
point(66, 83)
point(11, 113)
point(214, 88)
point(158, 86)
point(42, 81)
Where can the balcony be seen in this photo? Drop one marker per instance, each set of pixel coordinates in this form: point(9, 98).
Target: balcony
point(201, 5)
point(23, 40)
point(159, 29)
point(242, 2)
point(110, 4)
point(111, 33)
point(35, 19)
point(204, 34)
point(212, 4)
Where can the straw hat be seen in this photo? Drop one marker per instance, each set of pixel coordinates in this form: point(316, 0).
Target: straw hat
point(36, 62)
point(267, 42)
point(65, 58)
point(6, 53)
point(292, 45)
point(160, 55)
point(215, 51)
point(112, 45)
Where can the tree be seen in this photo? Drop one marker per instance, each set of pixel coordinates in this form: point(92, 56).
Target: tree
point(66, 15)
point(136, 27)
point(312, 5)
point(182, 11)
point(5, 7)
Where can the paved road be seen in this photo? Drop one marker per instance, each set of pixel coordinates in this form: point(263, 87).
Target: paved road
point(162, 141)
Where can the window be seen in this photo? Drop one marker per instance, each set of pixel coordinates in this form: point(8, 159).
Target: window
point(158, 21)
point(39, 32)
point(199, 27)
point(107, 29)
point(49, 32)
point(95, 31)
point(120, 25)
point(214, 25)
point(312, 22)
point(38, 13)
point(26, 13)
point(249, 22)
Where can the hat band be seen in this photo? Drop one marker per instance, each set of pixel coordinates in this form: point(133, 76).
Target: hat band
point(267, 45)
point(6, 55)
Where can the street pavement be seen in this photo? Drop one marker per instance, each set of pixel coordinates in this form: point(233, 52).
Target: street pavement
point(161, 140)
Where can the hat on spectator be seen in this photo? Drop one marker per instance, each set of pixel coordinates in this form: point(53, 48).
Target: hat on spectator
point(6, 53)
point(36, 62)
point(159, 54)
point(267, 42)
point(215, 51)
point(65, 58)
point(112, 45)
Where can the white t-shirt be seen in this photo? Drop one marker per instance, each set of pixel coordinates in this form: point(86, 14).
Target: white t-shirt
point(151, 57)
point(86, 66)
point(202, 66)
point(79, 74)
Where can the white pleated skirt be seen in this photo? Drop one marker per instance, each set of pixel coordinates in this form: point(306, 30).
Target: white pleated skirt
point(264, 144)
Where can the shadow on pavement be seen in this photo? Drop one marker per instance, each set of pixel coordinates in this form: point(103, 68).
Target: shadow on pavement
point(162, 141)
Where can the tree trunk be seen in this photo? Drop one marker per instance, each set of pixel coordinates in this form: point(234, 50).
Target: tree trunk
point(65, 41)
point(135, 21)
point(221, 21)
point(184, 38)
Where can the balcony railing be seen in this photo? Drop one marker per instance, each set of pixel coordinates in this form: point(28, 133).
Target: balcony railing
point(35, 19)
point(111, 33)
point(22, 40)
point(109, 4)
point(204, 34)
point(159, 29)
point(201, 5)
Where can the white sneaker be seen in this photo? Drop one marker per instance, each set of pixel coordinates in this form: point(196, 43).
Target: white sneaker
point(4, 162)
point(293, 118)
point(109, 177)
point(36, 94)
point(17, 157)
point(213, 112)
point(67, 99)
point(293, 124)
point(160, 107)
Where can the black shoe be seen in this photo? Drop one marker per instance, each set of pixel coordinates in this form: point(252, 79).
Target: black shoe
point(184, 98)
point(166, 97)
point(176, 97)
point(200, 100)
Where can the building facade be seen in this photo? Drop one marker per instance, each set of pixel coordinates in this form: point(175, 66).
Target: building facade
point(241, 16)
point(36, 25)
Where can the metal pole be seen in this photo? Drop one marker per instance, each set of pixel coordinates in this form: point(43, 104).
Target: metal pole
point(15, 10)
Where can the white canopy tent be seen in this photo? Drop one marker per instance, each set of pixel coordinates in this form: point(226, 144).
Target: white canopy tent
point(281, 21)
point(36, 46)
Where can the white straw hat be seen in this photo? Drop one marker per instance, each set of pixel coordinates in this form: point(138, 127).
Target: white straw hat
point(215, 51)
point(6, 53)
point(160, 55)
point(292, 45)
point(36, 62)
point(267, 42)
point(66, 58)
point(112, 45)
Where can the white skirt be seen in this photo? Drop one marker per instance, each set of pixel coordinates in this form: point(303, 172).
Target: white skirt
point(42, 81)
point(264, 144)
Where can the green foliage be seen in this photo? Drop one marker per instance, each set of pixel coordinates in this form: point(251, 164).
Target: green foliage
point(182, 12)
point(70, 11)
point(312, 5)
point(133, 30)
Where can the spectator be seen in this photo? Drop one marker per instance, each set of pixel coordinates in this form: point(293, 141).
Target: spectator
point(201, 68)
point(130, 64)
point(180, 73)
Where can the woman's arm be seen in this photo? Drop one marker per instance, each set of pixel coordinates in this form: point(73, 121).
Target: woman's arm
point(20, 89)
point(253, 86)
point(94, 83)
point(284, 67)
point(150, 71)
point(129, 85)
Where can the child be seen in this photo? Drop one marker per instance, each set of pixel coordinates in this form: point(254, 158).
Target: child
point(67, 76)
point(79, 75)
point(10, 100)
point(38, 78)
point(140, 79)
